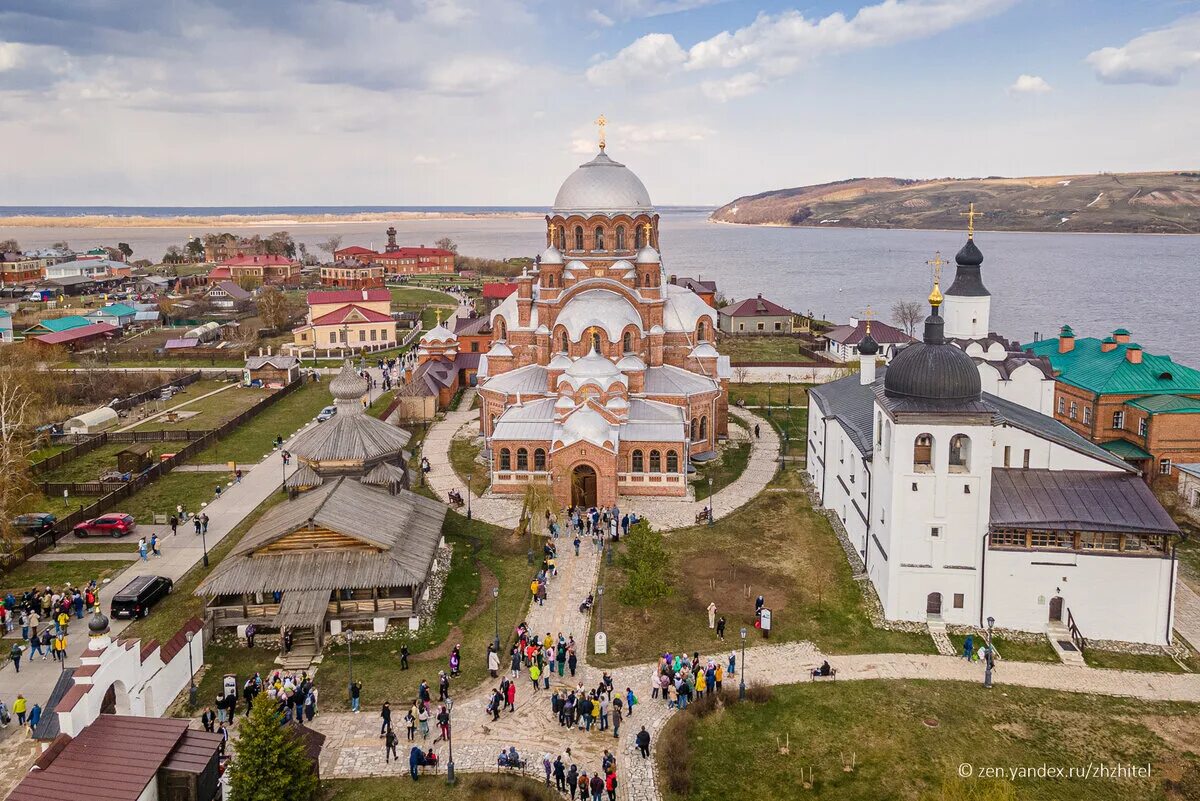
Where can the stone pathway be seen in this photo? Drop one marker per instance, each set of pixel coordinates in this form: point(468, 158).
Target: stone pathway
point(69, 556)
point(1187, 613)
point(937, 630)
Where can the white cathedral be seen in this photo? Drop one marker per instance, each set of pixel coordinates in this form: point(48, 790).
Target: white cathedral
point(966, 500)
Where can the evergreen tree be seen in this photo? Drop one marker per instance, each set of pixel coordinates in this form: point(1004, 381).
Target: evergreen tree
point(269, 762)
point(647, 566)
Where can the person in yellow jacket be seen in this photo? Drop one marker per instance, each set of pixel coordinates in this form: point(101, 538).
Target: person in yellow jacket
point(535, 673)
point(60, 647)
point(719, 674)
point(19, 707)
point(700, 686)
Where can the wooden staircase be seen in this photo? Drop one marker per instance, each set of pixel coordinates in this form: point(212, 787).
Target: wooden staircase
point(304, 650)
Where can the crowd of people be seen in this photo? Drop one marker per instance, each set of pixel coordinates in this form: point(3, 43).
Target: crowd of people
point(54, 608)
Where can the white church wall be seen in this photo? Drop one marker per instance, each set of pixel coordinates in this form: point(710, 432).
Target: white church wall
point(165, 684)
point(966, 316)
point(1123, 598)
point(1043, 454)
point(816, 442)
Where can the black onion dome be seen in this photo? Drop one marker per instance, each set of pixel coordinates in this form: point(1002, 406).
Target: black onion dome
point(99, 623)
point(867, 346)
point(933, 369)
point(968, 281)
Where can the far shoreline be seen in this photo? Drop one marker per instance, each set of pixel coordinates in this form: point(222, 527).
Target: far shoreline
point(251, 220)
point(939, 230)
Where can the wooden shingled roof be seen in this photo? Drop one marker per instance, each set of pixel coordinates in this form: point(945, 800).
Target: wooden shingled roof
point(400, 532)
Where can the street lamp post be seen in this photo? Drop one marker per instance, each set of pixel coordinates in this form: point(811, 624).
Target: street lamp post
point(496, 598)
point(600, 609)
point(191, 673)
point(450, 741)
point(742, 681)
point(789, 395)
point(470, 480)
point(711, 511)
point(204, 542)
point(350, 665)
point(989, 659)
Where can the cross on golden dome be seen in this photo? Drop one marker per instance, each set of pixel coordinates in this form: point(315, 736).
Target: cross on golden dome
point(970, 214)
point(601, 122)
point(868, 314)
point(935, 297)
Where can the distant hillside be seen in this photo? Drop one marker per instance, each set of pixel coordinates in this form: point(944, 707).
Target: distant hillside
point(1143, 202)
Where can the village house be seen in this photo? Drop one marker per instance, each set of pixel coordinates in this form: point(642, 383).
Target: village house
point(264, 268)
point(227, 294)
point(397, 260)
point(841, 341)
point(226, 246)
point(17, 268)
point(90, 268)
point(707, 290)
point(1142, 407)
point(118, 314)
point(53, 325)
point(756, 316)
point(81, 337)
point(270, 370)
point(494, 293)
point(474, 334)
point(348, 318)
point(351, 273)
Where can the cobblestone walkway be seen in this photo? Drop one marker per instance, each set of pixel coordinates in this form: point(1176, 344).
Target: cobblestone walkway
point(1187, 613)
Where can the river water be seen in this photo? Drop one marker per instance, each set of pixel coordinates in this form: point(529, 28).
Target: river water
point(1095, 282)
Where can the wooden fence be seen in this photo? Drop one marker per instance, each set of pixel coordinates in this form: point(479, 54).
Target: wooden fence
point(197, 442)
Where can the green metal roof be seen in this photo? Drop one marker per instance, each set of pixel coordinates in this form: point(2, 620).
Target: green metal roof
point(118, 309)
point(1126, 450)
point(1110, 373)
point(1167, 404)
point(60, 324)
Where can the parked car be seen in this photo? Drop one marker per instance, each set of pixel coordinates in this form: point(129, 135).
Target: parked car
point(34, 524)
point(136, 598)
point(116, 524)
point(326, 413)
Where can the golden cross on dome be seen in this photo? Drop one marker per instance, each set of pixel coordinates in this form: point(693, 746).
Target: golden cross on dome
point(868, 314)
point(648, 229)
point(439, 316)
point(935, 297)
point(970, 214)
point(601, 122)
point(550, 230)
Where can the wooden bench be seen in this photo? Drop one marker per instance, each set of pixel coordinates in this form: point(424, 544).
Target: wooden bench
point(816, 676)
point(505, 765)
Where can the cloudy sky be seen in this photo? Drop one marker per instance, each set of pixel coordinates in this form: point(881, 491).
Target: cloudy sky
point(411, 102)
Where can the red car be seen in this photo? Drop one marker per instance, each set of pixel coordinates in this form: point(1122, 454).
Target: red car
point(112, 525)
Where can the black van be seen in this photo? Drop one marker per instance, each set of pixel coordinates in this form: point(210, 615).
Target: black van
point(139, 595)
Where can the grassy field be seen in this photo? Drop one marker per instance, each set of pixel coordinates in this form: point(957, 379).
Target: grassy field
point(463, 458)
point(1153, 663)
point(376, 662)
point(210, 412)
point(91, 465)
point(419, 296)
point(792, 427)
point(1013, 651)
point(763, 394)
point(75, 545)
point(469, 787)
point(723, 471)
point(908, 739)
point(56, 574)
point(255, 438)
point(776, 546)
point(380, 404)
point(162, 496)
point(763, 348)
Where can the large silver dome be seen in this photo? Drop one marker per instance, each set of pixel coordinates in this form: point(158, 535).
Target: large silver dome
point(604, 186)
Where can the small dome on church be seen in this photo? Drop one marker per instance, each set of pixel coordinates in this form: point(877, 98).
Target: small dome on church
point(348, 384)
point(564, 404)
point(934, 369)
point(99, 623)
point(551, 255)
point(617, 404)
point(592, 365)
point(602, 185)
point(969, 255)
point(575, 265)
point(867, 346)
point(561, 361)
point(630, 362)
point(500, 349)
point(648, 255)
point(704, 350)
point(439, 333)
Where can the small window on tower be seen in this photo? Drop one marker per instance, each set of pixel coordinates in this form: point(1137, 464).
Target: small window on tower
point(935, 531)
point(958, 600)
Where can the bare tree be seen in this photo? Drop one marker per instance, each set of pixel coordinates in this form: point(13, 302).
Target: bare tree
point(446, 243)
point(740, 374)
point(9, 246)
point(273, 308)
point(18, 401)
point(907, 313)
point(331, 245)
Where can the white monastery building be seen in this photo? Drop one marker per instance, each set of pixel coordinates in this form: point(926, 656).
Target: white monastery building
point(967, 500)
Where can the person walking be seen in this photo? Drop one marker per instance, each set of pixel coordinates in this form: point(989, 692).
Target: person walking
point(423, 720)
point(356, 696)
point(443, 721)
point(721, 628)
point(154, 545)
point(14, 654)
point(510, 696)
point(174, 523)
point(19, 708)
point(385, 713)
point(493, 661)
point(410, 724)
point(404, 657)
point(560, 774)
point(572, 661)
point(643, 742)
point(616, 718)
point(535, 673)
point(196, 523)
point(389, 746)
point(597, 785)
point(204, 523)
point(142, 549)
point(968, 647)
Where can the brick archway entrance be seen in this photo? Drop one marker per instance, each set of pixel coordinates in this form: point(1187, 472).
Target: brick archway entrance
point(583, 486)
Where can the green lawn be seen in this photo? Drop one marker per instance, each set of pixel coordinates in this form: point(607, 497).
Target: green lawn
point(907, 741)
point(380, 404)
point(56, 574)
point(255, 438)
point(776, 546)
point(162, 496)
point(1152, 663)
point(463, 458)
point(210, 412)
point(418, 296)
point(91, 465)
point(469, 787)
point(47, 451)
point(791, 424)
point(376, 662)
point(1012, 651)
point(763, 348)
point(76, 545)
point(763, 394)
point(723, 471)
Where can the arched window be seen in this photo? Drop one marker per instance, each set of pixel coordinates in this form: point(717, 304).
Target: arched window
point(539, 459)
point(638, 239)
point(887, 439)
point(505, 459)
point(522, 459)
point(923, 452)
point(598, 239)
point(655, 462)
point(672, 462)
point(704, 427)
point(579, 237)
point(637, 462)
point(960, 453)
point(566, 343)
point(879, 429)
point(562, 237)
point(620, 237)
point(596, 342)
point(695, 423)
point(500, 329)
point(701, 332)
point(627, 342)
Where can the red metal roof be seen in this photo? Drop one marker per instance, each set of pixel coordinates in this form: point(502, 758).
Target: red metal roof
point(113, 759)
point(882, 333)
point(498, 290)
point(179, 641)
point(354, 250)
point(242, 260)
point(418, 252)
point(756, 307)
point(219, 273)
point(75, 334)
point(340, 315)
point(348, 296)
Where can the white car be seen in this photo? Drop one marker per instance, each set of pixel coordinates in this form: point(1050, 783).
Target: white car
point(326, 413)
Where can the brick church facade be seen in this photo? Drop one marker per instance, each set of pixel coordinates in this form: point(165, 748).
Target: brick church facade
point(602, 379)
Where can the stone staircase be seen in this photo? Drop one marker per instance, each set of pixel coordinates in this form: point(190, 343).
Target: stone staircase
point(1060, 640)
point(937, 631)
point(304, 650)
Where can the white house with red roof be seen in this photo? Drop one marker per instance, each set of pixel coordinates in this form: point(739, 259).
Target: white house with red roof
point(841, 341)
point(359, 319)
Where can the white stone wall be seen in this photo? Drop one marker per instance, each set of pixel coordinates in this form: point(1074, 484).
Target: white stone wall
point(967, 317)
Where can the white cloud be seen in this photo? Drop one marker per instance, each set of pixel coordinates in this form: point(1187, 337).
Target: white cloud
point(1158, 58)
point(471, 75)
point(740, 85)
point(1030, 84)
point(633, 138)
point(422, 160)
point(655, 8)
point(652, 55)
point(777, 45)
point(446, 13)
point(598, 17)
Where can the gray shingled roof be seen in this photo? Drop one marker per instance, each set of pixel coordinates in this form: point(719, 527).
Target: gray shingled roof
point(1076, 500)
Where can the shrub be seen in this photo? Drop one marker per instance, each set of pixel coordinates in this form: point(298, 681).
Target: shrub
point(647, 566)
point(675, 753)
point(500, 786)
point(270, 763)
point(760, 693)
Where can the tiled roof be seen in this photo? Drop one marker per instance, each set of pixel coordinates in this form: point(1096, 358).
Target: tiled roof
point(348, 296)
point(1076, 500)
point(117, 310)
point(73, 334)
point(697, 285)
point(882, 333)
point(242, 260)
point(339, 315)
point(755, 307)
point(498, 290)
point(233, 290)
point(1112, 373)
